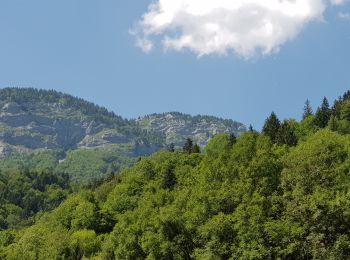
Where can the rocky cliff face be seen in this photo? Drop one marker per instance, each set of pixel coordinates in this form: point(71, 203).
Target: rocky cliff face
point(33, 119)
point(177, 127)
point(37, 123)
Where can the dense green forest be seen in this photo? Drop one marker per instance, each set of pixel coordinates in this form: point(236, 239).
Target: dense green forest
point(25, 193)
point(83, 166)
point(283, 193)
point(39, 96)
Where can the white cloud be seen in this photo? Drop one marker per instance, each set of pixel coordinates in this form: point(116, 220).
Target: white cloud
point(246, 27)
point(344, 16)
point(338, 2)
point(145, 44)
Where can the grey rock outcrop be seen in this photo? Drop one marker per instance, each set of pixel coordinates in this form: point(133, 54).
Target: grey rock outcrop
point(177, 127)
point(32, 119)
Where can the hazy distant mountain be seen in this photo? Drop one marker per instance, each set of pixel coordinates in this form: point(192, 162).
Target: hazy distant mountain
point(52, 130)
point(177, 127)
point(33, 119)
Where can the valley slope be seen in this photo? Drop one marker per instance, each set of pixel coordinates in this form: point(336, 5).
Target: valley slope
point(83, 139)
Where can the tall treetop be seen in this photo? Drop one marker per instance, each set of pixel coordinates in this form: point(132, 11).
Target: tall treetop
point(307, 109)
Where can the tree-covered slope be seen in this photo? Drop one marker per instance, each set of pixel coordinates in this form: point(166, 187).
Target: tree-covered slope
point(66, 134)
point(33, 119)
point(39, 119)
point(245, 200)
point(26, 193)
point(279, 194)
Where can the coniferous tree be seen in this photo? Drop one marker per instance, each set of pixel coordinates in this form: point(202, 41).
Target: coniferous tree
point(335, 111)
point(332, 124)
point(251, 129)
point(307, 109)
point(187, 148)
point(323, 114)
point(345, 110)
point(171, 147)
point(346, 95)
point(169, 178)
point(286, 135)
point(339, 104)
point(196, 149)
point(190, 147)
point(232, 139)
point(271, 127)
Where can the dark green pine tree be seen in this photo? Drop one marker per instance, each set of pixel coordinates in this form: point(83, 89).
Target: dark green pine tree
point(332, 124)
point(345, 110)
point(286, 135)
point(346, 95)
point(169, 178)
point(171, 147)
point(271, 127)
point(337, 105)
point(187, 148)
point(307, 109)
point(323, 114)
point(196, 149)
point(232, 139)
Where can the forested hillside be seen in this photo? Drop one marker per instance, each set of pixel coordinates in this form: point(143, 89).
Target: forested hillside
point(283, 193)
point(25, 193)
point(65, 134)
point(33, 119)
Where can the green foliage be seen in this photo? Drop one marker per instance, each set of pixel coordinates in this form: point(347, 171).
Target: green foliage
point(306, 128)
point(271, 127)
point(233, 139)
point(280, 133)
point(36, 96)
point(254, 197)
point(286, 134)
point(345, 110)
point(316, 189)
point(37, 161)
point(25, 193)
point(340, 120)
point(37, 121)
point(83, 243)
point(247, 199)
point(171, 147)
point(307, 109)
point(189, 147)
point(323, 114)
point(85, 166)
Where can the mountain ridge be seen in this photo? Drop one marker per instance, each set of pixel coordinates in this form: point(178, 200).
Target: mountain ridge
point(33, 119)
point(178, 126)
point(90, 141)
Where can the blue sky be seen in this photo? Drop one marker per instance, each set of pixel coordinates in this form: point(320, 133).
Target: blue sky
point(85, 48)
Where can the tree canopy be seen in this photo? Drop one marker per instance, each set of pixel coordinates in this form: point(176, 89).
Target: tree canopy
point(284, 195)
